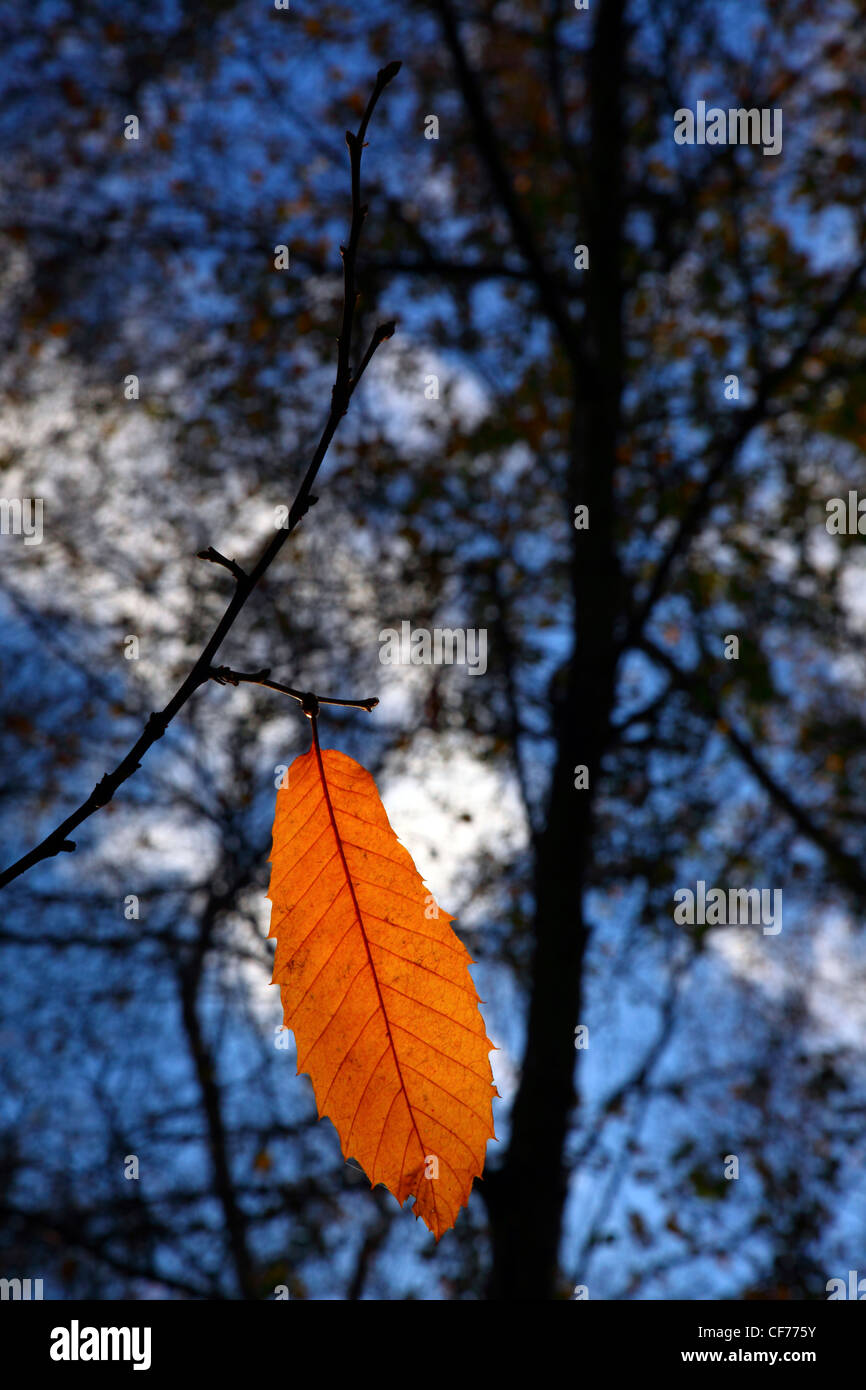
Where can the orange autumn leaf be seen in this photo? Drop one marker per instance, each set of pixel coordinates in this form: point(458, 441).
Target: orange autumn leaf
point(376, 988)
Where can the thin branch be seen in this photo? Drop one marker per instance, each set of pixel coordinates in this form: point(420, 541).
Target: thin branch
point(426, 263)
point(224, 676)
point(554, 50)
point(728, 449)
point(372, 1243)
point(847, 865)
point(341, 394)
point(46, 1226)
point(488, 146)
point(645, 714)
point(217, 559)
point(516, 727)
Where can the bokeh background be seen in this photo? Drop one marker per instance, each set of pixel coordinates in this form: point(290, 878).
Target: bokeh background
point(155, 1035)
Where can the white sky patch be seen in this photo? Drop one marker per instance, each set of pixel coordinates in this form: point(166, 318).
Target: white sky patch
point(153, 840)
point(821, 550)
point(424, 810)
point(838, 977)
point(395, 700)
point(506, 1073)
point(425, 807)
point(396, 385)
point(782, 558)
point(832, 975)
point(852, 588)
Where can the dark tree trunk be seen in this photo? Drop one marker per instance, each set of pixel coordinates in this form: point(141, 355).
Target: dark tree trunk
point(527, 1197)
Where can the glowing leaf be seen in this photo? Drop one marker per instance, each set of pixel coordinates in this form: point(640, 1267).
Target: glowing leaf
point(376, 988)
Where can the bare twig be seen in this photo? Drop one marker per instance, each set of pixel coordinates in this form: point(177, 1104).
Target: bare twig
point(217, 559)
point(489, 147)
point(705, 699)
point(224, 676)
point(724, 454)
point(246, 580)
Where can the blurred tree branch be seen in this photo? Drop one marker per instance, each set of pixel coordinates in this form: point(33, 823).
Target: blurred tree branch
point(344, 386)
